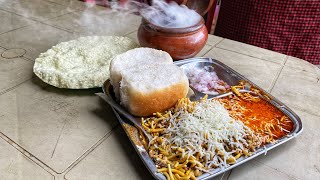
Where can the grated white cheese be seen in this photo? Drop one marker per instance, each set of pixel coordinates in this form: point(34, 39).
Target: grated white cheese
point(209, 124)
point(80, 63)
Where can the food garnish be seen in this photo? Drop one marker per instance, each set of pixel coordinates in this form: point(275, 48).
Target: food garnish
point(206, 80)
point(259, 115)
point(195, 137)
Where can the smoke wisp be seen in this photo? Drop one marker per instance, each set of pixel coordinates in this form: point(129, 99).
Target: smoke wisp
point(161, 13)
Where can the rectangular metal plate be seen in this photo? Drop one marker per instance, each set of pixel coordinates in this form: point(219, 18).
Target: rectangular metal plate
point(231, 77)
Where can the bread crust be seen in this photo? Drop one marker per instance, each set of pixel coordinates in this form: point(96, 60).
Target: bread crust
point(157, 101)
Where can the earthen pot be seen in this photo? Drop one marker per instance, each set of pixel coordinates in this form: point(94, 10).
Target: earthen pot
point(180, 43)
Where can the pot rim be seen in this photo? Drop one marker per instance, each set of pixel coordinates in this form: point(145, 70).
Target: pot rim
point(189, 29)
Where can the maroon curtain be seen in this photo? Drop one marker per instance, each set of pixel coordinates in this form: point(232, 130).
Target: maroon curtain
point(290, 27)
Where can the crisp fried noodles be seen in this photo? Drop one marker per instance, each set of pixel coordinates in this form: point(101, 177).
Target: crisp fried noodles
point(195, 137)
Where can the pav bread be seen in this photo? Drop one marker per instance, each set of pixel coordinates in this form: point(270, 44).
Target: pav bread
point(135, 58)
point(152, 88)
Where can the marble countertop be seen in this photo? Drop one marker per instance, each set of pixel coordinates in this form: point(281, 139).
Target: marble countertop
point(51, 133)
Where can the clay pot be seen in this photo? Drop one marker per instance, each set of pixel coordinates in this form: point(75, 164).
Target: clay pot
point(180, 43)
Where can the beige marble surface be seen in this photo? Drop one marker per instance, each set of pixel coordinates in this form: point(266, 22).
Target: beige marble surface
point(12, 21)
point(50, 133)
point(96, 21)
point(35, 39)
point(13, 72)
point(14, 165)
point(252, 51)
point(36, 9)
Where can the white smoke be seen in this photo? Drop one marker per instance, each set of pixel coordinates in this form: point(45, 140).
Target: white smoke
point(161, 13)
point(170, 15)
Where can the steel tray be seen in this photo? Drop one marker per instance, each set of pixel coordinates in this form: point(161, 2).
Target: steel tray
point(232, 78)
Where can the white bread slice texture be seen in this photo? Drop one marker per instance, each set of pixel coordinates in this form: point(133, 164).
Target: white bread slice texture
point(151, 89)
point(132, 59)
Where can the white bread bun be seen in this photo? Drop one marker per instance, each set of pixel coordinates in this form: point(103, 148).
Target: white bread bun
point(151, 89)
point(132, 59)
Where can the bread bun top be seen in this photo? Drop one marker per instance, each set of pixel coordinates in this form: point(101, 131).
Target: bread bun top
point(132, 59)
point(150, 78)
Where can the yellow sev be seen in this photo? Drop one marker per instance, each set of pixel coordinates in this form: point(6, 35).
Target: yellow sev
point(175, 163)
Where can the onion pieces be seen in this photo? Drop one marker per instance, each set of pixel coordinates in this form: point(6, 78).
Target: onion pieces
point(206, 80)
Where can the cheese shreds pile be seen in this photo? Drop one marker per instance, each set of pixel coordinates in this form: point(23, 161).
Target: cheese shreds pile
point(194, 137)
point(207, 130)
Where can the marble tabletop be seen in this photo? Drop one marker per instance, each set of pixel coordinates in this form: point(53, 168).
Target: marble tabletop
point(51, 133)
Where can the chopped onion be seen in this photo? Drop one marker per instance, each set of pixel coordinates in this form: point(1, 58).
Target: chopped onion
point(206, 81)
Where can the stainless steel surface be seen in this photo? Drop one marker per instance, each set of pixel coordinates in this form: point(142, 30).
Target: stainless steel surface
point(122, 114)
point(226, 74)
point(223, 74)
point(143, 154)
point(232, 78)
point(121, 110)
point(199, 95)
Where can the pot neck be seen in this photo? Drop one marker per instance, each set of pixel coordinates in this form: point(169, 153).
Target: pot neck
point(189, 29)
